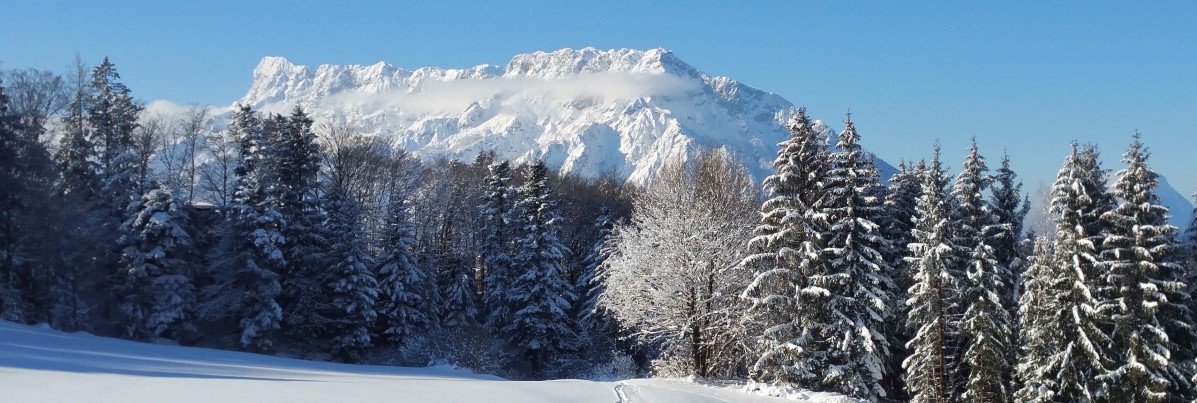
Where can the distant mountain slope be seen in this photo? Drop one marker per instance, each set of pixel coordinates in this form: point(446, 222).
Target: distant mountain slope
point(584, 111)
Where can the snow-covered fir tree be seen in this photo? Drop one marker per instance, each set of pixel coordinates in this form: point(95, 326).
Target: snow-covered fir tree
point(1010, 208)
point(495, 248)
point(1141, 280)
point(296, 157)
point(459, 306)
point(248, 258)
point(849, 351)
point(349, 283)
point(934, 302)
point(897, 225)
point(1063, 342)
point(111, 120)
point(407, 291)
point(540, 327)
point(986, 326)
point(158, 296)
point(590, 285)
point(76, 155)
point(784, 252)
point(1035, 318)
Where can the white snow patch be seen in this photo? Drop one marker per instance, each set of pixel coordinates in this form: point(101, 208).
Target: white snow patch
point(43, 365)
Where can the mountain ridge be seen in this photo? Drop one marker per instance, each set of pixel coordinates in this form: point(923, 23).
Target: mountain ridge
point(586, 111)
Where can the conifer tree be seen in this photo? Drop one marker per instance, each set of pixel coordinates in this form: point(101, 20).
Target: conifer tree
point(589, 285)
point(495, 248)
point(539, 295)
point(1035, 318)
point(349, 284)
point(12, 190)
point(111, 120)
point(1142, 282)
point(1010, 208)
point(897, 225)
point(249, 256)
point(407, 291)
point(76, 155)
point(295, 155)
point(784, 252)
point(1064, 344)
point(935, 296)
point(985, 326)
point(158, 296)
point(852, 288)
point(459, 307)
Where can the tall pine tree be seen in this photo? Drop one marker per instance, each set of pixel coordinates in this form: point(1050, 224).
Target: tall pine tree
point(1065, 347)
point(985, 327)
point(539, 295)
point(852, 289)
point(247, 260)
point(407, 291)
point(495, 248)
point(785, 252)
point(349, 283)
point(1141, 281)
point(935, 296)
point(897, 226)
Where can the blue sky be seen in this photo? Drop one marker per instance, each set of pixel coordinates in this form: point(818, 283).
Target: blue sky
point(1029, 77)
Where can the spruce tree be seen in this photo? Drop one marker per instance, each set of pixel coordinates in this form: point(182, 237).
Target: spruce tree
point(896, 226)
point(784, 251)
point(249, 256)
point(407, 291)
point(76, 155)
point(1142, 282)
point(590, 285)
point(349, 283)
point(158, 296)
point(1035, 306)
point(1010, 208)
point(459, 308)
point(495, 248)
point(295, 156)
point(111, 120)
point(540, 326)
point(12, 190)
point(852, 289)
point(1066, 347)
point(985, 327)
point(935, 296)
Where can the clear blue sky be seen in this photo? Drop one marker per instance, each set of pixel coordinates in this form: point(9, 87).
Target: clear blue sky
point(1025, 76)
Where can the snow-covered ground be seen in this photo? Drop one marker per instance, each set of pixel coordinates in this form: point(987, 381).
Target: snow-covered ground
point(42, 365)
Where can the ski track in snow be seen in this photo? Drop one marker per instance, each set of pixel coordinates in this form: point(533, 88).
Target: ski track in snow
point(42, 365)
point(620, 397)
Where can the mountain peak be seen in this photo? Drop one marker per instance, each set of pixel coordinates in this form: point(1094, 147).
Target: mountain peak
point(567, 62)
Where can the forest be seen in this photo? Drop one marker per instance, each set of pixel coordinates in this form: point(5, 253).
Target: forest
point(276, 234)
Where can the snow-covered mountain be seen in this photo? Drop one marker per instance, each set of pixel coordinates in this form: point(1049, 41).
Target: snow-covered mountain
point(585, 111)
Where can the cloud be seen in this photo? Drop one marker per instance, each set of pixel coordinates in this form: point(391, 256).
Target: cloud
point(455, 96)
point(165, 108)
point(162, 107)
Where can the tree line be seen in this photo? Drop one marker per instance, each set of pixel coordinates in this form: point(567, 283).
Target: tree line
point(926, 289)
point(267, 237)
